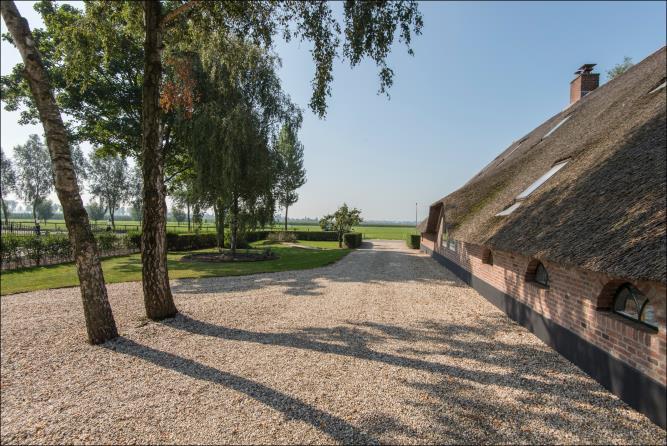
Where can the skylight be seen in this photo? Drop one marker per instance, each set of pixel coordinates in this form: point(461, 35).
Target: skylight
point(556, 126)
point(509, 210)
point(541, 180)
point(658, 87)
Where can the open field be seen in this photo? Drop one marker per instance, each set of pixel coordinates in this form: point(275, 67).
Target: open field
point(128, 268)
point(370, 232)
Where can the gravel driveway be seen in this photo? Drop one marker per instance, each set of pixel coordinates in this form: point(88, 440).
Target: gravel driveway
point(384, 346)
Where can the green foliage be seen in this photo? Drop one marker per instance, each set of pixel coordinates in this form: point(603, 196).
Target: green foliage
point(96, 211)
point(413, 241)
point(352, 239)
point(341, 221)
point(10, 248)
point(128, 268)
point(133, 240)
point(106, 241)
point(178, 213)
point(44, 210)
point(620, 68)
point(291, 174)
point(282, 236)
point(7, 175)
point(109, 182)
point(33, 169)
point(18, 249)
point(189, 242)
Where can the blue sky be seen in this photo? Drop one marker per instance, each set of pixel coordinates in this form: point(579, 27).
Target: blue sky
point(483, 75)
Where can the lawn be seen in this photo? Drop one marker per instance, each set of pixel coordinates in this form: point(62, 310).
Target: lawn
point(370, 232)
point(128, 268)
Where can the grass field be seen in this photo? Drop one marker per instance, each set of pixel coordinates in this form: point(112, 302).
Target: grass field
point(128, 268)
point(369, 232)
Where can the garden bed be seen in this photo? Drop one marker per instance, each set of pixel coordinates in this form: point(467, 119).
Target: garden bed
point(226, 256)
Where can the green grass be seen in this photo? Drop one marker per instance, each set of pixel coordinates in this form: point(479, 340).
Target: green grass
point(128, 268)
point(370, 232)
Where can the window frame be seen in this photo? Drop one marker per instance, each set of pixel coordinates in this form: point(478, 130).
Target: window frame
point(634, 293)
point(545, 284)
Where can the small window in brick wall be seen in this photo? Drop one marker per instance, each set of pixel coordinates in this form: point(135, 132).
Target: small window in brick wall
point(541, 275)
point(629, 302)
point(537, 273)
point(487, 256)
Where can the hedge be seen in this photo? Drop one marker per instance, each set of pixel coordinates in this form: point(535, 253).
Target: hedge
point(18, 249)
point(352, 239)
point(413, 241)
point(22, 250)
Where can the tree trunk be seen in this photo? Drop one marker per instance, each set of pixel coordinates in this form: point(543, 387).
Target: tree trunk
point(340, 239)
point(219, 210)
point(286, 218)
point(187, 205)
point(100, 323)
point(4, 211)
point(233, 240)
point(113, 221)
point(157, 295)
point(34, 207)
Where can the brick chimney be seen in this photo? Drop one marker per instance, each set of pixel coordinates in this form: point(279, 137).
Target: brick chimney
point(585, 82)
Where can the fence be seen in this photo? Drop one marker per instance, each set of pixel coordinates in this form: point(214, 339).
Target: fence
point(26, 251)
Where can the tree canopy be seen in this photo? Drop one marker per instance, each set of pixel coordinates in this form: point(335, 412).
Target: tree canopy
point(33, 171)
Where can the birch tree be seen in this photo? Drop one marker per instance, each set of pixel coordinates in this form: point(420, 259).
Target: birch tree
point(100, 324)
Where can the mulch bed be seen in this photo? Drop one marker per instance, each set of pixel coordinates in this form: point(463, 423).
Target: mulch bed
point(219, 257)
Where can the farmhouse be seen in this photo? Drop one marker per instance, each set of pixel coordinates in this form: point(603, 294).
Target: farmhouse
point(565, 232)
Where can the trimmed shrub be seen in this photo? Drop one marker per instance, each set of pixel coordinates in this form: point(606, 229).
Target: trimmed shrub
point(413, 241)
point(352, 239)
point(316, 236)
point(189, 242)
point(283, 236)
point(133, 240)
point(106, 241)
point(10, 248)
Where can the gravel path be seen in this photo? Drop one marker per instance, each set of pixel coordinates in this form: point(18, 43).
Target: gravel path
point(384, 346)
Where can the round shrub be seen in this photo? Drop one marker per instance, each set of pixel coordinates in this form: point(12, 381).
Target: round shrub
point(413, 241)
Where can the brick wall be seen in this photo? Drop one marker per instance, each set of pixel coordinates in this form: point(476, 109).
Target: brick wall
point(576, 299)
point(582, 85)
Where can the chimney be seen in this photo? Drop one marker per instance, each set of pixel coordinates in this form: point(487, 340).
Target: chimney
point(585, 82)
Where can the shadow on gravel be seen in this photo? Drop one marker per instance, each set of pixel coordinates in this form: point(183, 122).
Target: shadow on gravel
point(293, 408)
point(539, 387)
point(374, 264)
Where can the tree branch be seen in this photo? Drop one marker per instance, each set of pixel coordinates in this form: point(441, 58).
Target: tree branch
point(171, 15)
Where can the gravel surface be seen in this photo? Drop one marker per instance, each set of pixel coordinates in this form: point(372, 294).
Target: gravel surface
point(384, 346)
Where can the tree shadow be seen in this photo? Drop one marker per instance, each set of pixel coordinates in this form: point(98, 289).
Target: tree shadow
point(355, 342)
point(293, 408)
point(473, 386)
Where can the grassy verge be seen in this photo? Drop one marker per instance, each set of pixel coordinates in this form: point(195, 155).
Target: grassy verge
point(370, 232)
point(128, 268)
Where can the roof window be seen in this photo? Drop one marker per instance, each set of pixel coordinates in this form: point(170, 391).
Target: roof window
point(554, 128)
point(659, 87)
point(536, 184)
point(509, 210)
point(541, 180)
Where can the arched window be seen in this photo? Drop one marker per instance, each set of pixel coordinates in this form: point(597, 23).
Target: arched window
point(487, 257)
point(541, 275)
point(631, 303)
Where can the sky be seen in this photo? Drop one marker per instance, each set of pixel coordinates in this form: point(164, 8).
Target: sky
point(483, 75)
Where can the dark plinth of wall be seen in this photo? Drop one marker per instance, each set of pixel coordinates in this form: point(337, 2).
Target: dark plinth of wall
point(638, 390)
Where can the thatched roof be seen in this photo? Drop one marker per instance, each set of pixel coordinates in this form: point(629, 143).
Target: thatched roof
point(605, 210)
